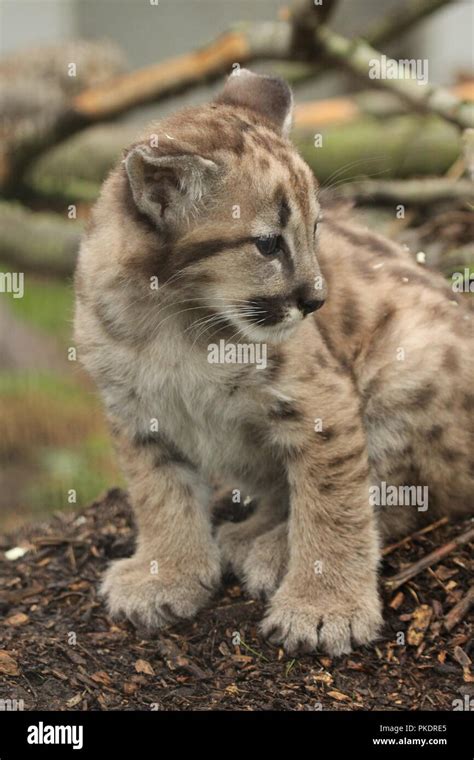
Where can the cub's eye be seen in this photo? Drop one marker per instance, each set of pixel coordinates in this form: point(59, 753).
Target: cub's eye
point(268, 245)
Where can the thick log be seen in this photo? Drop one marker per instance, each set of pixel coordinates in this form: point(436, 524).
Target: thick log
point(37, 241)
point(412, 145)
point(403, 146)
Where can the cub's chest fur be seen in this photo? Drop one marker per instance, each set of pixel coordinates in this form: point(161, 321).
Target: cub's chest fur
point(216, 415)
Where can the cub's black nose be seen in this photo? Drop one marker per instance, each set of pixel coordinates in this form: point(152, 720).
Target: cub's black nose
point(306, 307)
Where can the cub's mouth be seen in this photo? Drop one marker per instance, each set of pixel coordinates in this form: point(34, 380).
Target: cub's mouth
point(277, 309)
point(274, 318)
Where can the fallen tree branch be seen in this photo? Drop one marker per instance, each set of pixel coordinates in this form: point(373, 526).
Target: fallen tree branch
point(457, 613)
point(243, 44)
point(412, 192)
point(358, 57)
point(434, 557)
point(246, 43)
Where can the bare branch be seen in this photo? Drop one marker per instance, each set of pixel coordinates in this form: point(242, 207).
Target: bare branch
point(388, 29)
point(359, 57)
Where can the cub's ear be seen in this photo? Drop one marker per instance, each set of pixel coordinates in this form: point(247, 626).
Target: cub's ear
point(269, 96)
point(167, 188)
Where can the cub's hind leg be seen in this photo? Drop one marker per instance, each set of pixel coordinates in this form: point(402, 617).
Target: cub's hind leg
point(419, 418)
point(237, 540)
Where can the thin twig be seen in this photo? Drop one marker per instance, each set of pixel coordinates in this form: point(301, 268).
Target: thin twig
point(457, 613)
point(430, 559)
point(408, 539)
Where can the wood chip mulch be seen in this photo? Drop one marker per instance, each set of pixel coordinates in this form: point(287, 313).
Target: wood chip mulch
point(59, 650)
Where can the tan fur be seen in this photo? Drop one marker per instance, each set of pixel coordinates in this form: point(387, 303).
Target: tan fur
point(376, 386)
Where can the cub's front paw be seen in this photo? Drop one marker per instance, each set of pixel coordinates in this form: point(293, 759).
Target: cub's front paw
point(152, 600)
point(302, 624)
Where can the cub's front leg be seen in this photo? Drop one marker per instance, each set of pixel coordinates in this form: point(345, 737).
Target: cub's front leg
point(176, 565)
point(328, 597)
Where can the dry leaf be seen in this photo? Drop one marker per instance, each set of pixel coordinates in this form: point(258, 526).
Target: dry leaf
point(465, 662)
point(338, 695)
point(352, 665)
point(143, 666)
point(444, 573)
point(16, 620)
point(8, 666)
point(58, 674)
point(323, 678)
point(78, 585)
point(244, 658)
point(101, 677)
point(130, 688)
point(74, 700)
point(420, 621)
point(397, 600)
point(461, 657)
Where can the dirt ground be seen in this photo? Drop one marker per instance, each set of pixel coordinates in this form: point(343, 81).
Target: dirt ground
point(60, 651)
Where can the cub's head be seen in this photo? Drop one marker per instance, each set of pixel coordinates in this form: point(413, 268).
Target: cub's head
point(234, 210)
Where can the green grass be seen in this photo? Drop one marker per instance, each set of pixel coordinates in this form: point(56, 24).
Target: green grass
point(87, 469)
point(46, 305)
point(53, 432)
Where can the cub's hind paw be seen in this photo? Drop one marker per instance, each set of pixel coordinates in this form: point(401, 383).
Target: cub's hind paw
point(266, 562)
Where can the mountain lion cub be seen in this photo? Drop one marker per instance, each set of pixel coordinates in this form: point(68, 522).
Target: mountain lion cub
point(206, 249)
